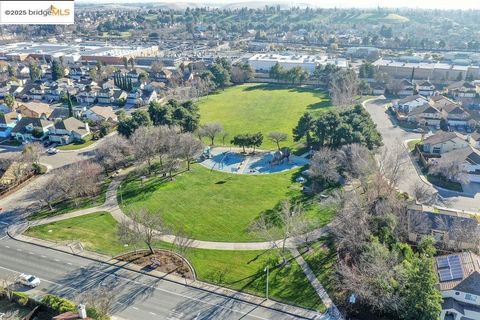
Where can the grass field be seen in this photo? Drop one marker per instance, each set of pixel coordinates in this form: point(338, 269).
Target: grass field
point(213, 205)
point(412, 143)
point(251, 108)
point(78, 144)
point(240, 270)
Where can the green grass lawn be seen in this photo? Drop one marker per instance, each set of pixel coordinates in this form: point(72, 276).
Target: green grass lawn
point(68, 206)
point(251, 108)
point(240, 270)
point(216, 206)
point(412, 143)
point(78, 144)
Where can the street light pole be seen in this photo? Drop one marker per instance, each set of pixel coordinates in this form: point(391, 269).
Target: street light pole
point(266, 291)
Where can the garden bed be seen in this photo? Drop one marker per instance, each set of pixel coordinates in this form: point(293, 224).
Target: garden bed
point(163, 260)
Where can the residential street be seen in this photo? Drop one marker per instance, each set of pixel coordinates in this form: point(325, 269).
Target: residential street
point(394, 136)
point(136, 296)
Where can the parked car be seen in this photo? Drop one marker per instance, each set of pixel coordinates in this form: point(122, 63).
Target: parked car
point(52, 151)
point(28, 280)
point(418, 130)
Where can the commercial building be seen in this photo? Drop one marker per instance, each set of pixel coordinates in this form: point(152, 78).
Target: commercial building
point(264, 62)
point(71, 53)
point(436, 72)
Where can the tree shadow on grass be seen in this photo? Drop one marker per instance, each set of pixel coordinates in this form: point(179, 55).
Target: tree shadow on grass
point(285, 86)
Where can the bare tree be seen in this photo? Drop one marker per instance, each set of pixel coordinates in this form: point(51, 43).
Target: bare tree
point(189, 148)
point(344, 88)
point(50, 193)
point(7, 287)
point(277, 137)
point(100, 298)
point(323, 168)
point(113, 152)
point(356, 160)
point(144, 226)
point(391, 164)
point(31, 153)
point(144, 145)
point(80, 179)
point(211, 130)
point(452, 170)
point(424, 194)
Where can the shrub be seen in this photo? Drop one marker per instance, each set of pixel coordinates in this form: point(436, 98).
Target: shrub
point(59, 304)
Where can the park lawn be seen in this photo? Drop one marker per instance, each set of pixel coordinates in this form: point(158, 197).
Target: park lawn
point(87, 141)
point(239, 270)
point(213, 205)
point(69, 206)
point(261, 108)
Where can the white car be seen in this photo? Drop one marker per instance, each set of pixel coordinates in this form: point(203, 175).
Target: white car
point(52, 151)
point(28, 280)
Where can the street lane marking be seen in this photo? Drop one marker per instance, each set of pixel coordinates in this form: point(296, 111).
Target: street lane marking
point(153, 313)
point(155, 288)
point(70, 264)
point(135, 308)
point(56, 260)
point(43, 256)
point(20, 250)
point(7, 247)
point(30, 252)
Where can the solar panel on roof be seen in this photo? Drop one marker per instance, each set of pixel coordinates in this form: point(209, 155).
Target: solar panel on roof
point(442, 262)
point(445, 275)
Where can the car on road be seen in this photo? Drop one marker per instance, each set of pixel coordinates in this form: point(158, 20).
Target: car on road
point(52, 151)
point(418, 130)
point(28, 280)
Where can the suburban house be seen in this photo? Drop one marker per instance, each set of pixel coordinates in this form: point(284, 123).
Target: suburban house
point(406, 88)
point(461, 90)
point(162, 76)
point(442, 142)
point(467, 157)
point(378, 89)
point(451, 229)
point(474, 140)
point(29, 129)
point(140, 97)
point(425, 115)
point(7, 123)
point(77, 73)
point(459, 284)
point(133, 75)
point(88, 95)
point(425, 88)
point(11, 89)
point(407, 104)
point(4, 108)
point(68, 130)
point(111, 96)
point(35, 91)
point(100, 114)
point(457, 116)
point(34, 109)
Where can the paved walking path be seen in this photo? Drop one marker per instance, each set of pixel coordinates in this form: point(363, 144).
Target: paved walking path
point(332, 309)
point(111, 206)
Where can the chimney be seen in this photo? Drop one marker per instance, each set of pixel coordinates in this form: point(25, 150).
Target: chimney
point(82, 311)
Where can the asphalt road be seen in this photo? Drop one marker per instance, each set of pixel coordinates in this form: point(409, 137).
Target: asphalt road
point(395, 136)
point(137, 296)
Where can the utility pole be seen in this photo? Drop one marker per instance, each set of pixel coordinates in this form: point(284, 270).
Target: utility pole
point(266, 289)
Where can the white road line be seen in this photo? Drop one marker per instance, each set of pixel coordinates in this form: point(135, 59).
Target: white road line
point(31, 252)
point(7, 247)
point(153, 313)
point(70, 264)
point(3, 237)
point(135, 308)
point(156, 288)
point(56, 260)
point(43, 256)
point(20, 250)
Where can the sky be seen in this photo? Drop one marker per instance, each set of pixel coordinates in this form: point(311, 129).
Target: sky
point(425, 4)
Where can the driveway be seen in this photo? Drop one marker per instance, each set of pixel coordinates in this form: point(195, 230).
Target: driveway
point(469, 200)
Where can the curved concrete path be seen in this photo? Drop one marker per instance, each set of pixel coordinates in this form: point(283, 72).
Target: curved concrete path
point(111, 206)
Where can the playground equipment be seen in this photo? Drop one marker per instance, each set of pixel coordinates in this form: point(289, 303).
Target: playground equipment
point(206, 154)
point(281, 155)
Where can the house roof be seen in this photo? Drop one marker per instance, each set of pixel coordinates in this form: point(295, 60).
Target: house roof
point(426, 108)
point(470, 264)
point(36, 107)
point(470, 284)
point(440, 137)
point(463, 155)
point(7, 118)
point(411, 98)
point(104, 112)
point(72, 125)
point(35, 122)
point(450, 303)
point(424, 222)
point(59, 112)
point(475, 136)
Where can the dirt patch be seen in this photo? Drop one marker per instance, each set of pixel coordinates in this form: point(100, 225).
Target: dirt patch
point(163, 261)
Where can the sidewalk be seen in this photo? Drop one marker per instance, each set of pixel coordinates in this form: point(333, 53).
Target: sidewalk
point(322, 293)
point(232, 294)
